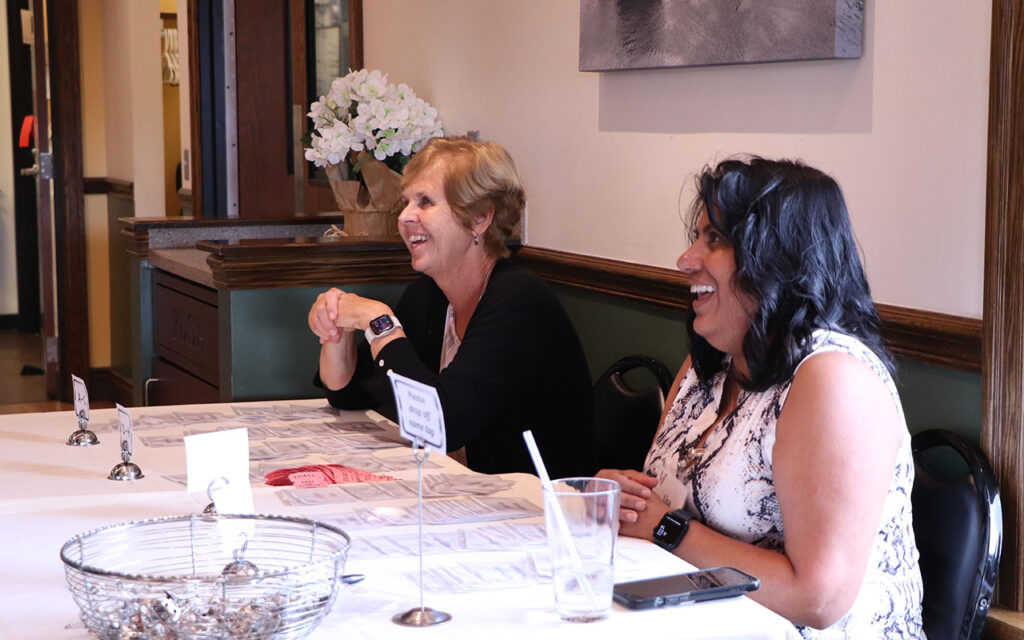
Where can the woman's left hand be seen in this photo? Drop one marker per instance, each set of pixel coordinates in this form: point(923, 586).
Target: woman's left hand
point(639, 509)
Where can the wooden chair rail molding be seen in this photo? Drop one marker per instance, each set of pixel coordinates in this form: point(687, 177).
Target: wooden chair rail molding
point(262, 264)
point(109, 186)
point(922, 336)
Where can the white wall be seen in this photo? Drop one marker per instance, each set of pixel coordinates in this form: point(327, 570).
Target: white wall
point(604, 155)
point(94, 158)
point(8, 255)
point(133, 99)
point(122, 125)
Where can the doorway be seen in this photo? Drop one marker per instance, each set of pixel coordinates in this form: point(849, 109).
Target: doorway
point(53, 281)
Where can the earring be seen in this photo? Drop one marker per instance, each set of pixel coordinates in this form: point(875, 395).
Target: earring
point(476, 239)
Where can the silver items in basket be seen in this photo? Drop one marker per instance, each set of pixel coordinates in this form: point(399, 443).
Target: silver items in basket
point(177, 577)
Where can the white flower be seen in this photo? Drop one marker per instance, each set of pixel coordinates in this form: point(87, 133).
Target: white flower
point(363, 111)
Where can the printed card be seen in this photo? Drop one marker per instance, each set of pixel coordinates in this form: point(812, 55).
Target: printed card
point(124, 421)
point(81, 397)
point(419, 412)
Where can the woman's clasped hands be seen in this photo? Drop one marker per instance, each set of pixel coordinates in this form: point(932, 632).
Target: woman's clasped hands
point(335, 312)
point(639, 508)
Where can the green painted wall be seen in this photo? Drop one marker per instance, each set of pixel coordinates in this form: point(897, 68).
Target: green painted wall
point(609, 328)
point(273, 352)
point(124, 290)
point(940, 398)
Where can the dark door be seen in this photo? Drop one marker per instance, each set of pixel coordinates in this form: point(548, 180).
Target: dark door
point(41, 172)
point(26, 238)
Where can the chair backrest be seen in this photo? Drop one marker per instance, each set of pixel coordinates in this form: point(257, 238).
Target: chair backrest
point(958, 524)
point(626, 417)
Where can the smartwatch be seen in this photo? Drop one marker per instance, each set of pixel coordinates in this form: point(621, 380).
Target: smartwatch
point(381, 326)
point(670, 531)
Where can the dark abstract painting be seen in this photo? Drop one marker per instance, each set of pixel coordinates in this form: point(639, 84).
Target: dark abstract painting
point(645, 34)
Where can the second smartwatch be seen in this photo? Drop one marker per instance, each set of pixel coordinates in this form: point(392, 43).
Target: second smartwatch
point(670, 531)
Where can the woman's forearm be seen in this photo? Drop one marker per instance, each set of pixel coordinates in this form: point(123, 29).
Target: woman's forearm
point(338, 362)
point(815, 598)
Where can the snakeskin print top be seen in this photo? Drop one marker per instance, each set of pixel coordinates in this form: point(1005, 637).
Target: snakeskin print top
point(731, 489)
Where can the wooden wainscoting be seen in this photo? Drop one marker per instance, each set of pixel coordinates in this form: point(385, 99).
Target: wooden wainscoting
point(1003, 624)
point(928, 337)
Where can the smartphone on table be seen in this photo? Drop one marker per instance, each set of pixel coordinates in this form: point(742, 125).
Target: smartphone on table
point(695, 586)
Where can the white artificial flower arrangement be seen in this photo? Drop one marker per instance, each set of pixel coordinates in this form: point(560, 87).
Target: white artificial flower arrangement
point(364, 112)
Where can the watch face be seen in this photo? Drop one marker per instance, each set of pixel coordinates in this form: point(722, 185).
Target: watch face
point(381, 324)
point(669, 529)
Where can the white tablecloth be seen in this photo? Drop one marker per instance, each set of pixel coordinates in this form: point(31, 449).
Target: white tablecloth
point(53, 492)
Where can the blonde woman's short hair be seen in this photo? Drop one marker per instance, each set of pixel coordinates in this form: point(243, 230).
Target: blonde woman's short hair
point(478, 177)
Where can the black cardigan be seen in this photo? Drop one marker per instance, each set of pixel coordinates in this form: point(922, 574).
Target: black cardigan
point(520, 366)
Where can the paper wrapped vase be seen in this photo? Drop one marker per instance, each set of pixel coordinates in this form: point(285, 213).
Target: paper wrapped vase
point(371, 209)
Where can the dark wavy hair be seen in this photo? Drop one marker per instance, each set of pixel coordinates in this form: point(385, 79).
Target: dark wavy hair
point(795, 255)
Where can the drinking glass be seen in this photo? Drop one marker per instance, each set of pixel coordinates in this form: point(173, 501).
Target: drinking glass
point(582, 520)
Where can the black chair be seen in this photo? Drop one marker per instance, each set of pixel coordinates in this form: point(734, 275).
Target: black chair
point(958, 524)
point(626, 416)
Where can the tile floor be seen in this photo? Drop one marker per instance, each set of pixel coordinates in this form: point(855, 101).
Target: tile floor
point(23, 393)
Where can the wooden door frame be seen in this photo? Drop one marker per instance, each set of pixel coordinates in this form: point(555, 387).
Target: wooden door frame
point(69, 199)
point(315, 192)
point(44, 205)
point(313, 195)
point(1002, 428)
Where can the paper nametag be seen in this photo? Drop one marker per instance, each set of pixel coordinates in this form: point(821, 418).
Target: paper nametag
point(124, 422)
point(81, 397)
point(209, 457)
point(419, 412)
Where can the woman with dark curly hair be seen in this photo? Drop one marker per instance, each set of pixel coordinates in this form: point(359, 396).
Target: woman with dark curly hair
point(784, 451)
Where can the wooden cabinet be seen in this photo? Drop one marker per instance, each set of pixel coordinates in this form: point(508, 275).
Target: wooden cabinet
point(216, 310)
point(185, 331)
point(185, 342)
point(172, 385)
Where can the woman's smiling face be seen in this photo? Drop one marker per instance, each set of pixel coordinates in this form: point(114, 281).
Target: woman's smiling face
point(722, 312)
point(437, 242)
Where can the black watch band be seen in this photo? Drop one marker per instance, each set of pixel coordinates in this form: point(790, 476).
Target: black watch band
point(670, 531)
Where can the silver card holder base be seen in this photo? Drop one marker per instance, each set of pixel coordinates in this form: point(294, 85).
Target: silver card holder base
point(421, 617)
point(125, 471)
point(82, 438)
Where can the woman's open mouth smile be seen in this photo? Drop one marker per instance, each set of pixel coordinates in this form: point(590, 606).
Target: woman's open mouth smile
point(701, 293)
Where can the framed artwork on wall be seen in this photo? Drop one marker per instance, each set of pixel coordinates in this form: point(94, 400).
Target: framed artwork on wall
point(648, 34)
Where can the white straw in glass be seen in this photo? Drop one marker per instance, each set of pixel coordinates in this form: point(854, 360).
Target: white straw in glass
point(563, 526)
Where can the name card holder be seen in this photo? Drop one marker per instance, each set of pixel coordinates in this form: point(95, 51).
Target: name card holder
point(420, 421)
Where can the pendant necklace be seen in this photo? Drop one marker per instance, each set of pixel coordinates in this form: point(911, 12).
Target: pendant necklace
point(693, 456)
point(696, 453)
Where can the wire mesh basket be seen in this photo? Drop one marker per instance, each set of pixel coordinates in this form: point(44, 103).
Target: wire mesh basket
point(255, 577)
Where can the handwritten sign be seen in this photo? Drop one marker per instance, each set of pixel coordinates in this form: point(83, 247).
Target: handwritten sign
point(124, 421)
point(81, 397)
point(419, 412)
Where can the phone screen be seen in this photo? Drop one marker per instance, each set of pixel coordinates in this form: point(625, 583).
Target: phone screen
point(709, 584)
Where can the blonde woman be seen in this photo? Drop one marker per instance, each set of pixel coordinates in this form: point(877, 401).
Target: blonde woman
point(489, 335)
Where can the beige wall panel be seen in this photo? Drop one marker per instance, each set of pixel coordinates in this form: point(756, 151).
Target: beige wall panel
point(605, 154)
